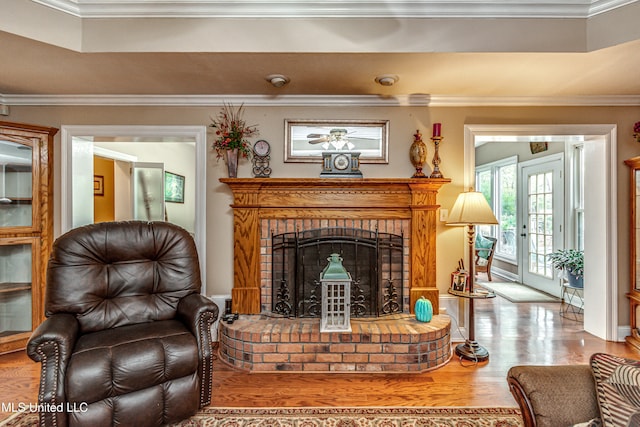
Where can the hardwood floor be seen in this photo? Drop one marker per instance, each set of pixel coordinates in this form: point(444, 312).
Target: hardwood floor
point(526, 333)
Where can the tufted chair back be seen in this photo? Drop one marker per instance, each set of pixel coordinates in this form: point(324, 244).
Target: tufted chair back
point(115, 276)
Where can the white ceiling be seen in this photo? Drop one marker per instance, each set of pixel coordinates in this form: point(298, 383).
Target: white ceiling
point(509, 52)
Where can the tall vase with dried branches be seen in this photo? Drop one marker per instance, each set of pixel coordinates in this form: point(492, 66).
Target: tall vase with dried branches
point(231, 133)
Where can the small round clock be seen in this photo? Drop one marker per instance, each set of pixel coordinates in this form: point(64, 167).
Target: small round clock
point(341, 162)
point(261, 148)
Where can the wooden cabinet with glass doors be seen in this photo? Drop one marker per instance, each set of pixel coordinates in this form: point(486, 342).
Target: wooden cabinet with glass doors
point(634, 292)
point(25, 228)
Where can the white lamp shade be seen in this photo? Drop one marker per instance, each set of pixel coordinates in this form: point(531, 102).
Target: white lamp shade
point(471, 208)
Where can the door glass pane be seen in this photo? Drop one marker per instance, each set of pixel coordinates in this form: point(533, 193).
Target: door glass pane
point(540, 182)
point(16, 184)
point(541, 223)
point(148, 193)
point(548, 182)
point(15, 289)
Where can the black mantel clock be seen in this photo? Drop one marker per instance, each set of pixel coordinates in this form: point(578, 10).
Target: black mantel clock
point(340, 164)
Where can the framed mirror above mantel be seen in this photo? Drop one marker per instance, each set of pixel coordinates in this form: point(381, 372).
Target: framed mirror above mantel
point(256, 200)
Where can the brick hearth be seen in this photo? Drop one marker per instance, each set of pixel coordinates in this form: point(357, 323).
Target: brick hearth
point(396, 343)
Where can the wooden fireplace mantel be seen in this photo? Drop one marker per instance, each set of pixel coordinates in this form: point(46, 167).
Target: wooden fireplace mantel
point(255, 199)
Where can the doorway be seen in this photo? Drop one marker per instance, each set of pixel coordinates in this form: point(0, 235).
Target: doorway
point(600, 209)
point(80, 143)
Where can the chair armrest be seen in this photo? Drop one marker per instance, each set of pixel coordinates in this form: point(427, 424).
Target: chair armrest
point(551, 396)
point(198, 313)
point(51, 344)
point(54, 338)
point(195, 310)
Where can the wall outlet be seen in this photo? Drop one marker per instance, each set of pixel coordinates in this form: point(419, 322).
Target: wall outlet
point(444, 215)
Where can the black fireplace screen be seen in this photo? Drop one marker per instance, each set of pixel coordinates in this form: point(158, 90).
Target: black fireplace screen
point(374, 260)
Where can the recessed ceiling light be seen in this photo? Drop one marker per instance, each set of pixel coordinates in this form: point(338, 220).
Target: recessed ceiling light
point(277, 80)
point(387, 79)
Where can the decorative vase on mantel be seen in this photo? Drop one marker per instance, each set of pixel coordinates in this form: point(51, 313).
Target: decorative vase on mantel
point(418, 155)
point(232, 162)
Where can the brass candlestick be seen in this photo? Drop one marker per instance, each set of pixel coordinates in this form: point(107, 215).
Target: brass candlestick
point(436, 158)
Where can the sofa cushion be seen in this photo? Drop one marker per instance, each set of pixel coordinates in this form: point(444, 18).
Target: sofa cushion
point(618, 389)
point(122, 360)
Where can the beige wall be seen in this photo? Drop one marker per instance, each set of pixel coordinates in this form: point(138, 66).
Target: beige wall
point(403, 123)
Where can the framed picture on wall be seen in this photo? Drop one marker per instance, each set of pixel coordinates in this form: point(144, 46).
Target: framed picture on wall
point(173, 187)
point(306, 140)
point(98, 185)
point(538, 147)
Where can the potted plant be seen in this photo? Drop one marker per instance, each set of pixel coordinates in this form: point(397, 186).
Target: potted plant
point(570, 261)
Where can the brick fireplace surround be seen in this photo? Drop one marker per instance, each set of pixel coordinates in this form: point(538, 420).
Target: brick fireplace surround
point(262, 341)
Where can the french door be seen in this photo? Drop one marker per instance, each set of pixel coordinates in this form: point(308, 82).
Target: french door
point(541, 222)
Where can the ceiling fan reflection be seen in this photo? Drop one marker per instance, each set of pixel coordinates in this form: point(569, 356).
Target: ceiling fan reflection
point(337, 138)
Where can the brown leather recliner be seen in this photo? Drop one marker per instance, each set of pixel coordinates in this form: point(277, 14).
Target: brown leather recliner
point(127, 339)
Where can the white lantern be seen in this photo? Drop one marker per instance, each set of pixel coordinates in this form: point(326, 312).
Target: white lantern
point(336, 296)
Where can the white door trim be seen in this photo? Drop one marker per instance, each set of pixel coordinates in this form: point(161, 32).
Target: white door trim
point(195, 133)
point(607, 258)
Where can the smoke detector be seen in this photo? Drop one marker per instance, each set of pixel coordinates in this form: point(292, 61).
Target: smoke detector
point(277, 80)
point(387, 79)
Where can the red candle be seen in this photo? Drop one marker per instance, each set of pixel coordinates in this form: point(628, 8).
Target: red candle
point(437, 127)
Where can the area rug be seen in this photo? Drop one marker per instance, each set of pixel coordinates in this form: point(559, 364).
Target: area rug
point(335, 417)
point(516, 292)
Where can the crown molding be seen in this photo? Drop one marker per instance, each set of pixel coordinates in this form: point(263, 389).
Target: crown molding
point(332, 8)
point(321, 100)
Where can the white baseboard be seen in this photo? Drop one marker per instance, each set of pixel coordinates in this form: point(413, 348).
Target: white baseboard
point(512, 277)
point(623, 331)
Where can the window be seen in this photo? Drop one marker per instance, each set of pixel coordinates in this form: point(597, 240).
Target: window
point(498, 182)
point(577, 183)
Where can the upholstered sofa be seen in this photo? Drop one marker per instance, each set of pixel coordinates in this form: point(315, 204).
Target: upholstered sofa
point(606, 392)
point(127, 338)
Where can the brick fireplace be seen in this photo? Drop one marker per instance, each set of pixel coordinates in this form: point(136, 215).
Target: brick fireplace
point(260, 203)
point(263, 207)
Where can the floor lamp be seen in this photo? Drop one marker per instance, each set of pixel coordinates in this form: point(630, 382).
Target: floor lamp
point(471, 209)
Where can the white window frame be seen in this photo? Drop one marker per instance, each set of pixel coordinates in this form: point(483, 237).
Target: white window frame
point(575, 210)
point(494, 167)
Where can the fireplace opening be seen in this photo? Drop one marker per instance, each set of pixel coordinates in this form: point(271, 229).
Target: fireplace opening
point(374, 260)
